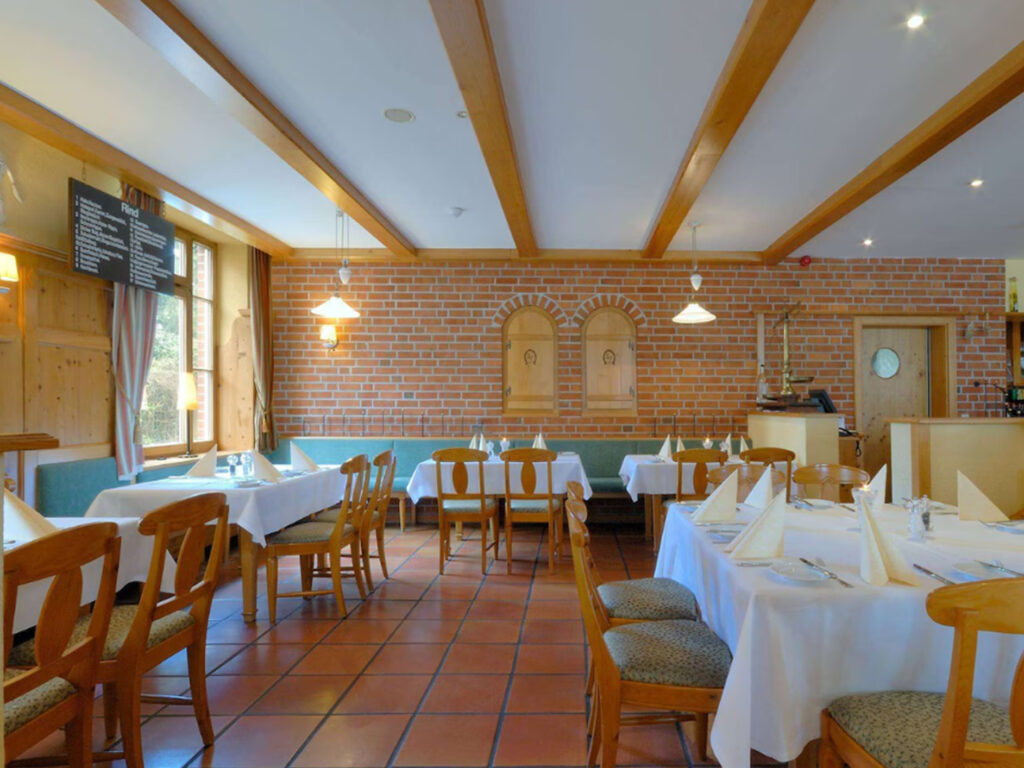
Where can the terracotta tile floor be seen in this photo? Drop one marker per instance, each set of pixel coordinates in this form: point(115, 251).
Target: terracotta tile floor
point(459, 670)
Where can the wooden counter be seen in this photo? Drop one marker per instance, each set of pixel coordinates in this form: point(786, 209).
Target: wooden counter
point(813, 437)
point(926, 454)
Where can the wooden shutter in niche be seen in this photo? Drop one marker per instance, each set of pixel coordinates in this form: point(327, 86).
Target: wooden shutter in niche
point(609, 362)
point(530, 351)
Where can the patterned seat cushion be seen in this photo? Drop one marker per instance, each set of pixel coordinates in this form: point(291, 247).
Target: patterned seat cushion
point(532, 505)
point(469, 505)
point(685, 653)
point(307, 533)
point(648, 600)
point(331, 516)
point(31, 705)
point(121, 619)
point(899, 728)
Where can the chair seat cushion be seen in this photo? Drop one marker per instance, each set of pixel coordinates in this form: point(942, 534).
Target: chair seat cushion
point(308, 533)
point(331, 516)
point(648, 600)
point(461, 506)
point(31, 705)
point(121, 618)
point(531, 505)
point(899, 728)
point(686, 653)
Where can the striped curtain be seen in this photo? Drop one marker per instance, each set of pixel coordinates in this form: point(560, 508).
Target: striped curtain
point(265, 437)
point(133, 329)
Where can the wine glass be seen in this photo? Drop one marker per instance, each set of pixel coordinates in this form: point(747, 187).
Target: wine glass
point(232, 463)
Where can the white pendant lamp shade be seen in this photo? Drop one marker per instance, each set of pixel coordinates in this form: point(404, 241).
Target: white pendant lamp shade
point(694, 314)
point(336, 308)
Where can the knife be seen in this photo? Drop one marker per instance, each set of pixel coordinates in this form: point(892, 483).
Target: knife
point(826, 571)
point(998, 567)
point(934, 575)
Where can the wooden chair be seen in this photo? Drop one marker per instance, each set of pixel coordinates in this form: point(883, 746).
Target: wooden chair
point(934, 729)
point(55, 687)
point(574, 490)
point(835, 480)
point(460, 505)
point(679, 692)
point(770, 457)
point(531, 505)
point(324, 538)
point(144, 635)
point(747, 477)
point(700, 458)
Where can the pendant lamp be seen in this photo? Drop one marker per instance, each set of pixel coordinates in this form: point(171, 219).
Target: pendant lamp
point(694, 313)
point(336, 307)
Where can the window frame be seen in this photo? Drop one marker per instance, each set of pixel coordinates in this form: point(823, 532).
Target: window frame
point(183, 290)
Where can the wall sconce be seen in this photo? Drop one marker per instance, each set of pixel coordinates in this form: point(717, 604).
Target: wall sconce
point(976, 328)
point(8, 271)
point(329, 336)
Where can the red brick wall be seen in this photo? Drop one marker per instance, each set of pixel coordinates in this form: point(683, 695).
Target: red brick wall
point(428, 344)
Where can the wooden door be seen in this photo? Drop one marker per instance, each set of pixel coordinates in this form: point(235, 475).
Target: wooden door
point(530, 358)
point(894, 383)
point(609, 348)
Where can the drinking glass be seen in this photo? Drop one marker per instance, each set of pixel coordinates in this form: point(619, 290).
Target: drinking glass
point(232, 463)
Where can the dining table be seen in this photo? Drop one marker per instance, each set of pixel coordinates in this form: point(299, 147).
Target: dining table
point(566, 467)
point(136, 555)
point(800, 639)
point(257, 507)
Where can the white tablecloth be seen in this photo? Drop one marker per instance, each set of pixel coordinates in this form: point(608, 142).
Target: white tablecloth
point(259, 510)
point(796, 648)
point(423, 483)
point(647, 474)
point(136, 553)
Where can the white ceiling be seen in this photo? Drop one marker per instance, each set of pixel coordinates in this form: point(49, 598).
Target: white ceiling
point(603, 96)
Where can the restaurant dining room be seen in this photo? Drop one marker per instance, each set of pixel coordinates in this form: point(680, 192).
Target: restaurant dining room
point(512, 383)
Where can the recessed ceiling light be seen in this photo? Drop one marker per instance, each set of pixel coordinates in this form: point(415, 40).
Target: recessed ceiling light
point(868, 242)
point(977, 183)
point(396, 115)
point(462, 113)
point(915, 21)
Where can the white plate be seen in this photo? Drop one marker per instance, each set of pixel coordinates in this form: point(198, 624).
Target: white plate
point(1010, 527)
point(792, 570)
point(248, 483)
point(819, 504)
point(977, 572)
point(723, 532)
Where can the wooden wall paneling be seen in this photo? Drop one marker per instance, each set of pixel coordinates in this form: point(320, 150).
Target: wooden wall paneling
point(235, 387)
point(11, 372)
point(609, 362)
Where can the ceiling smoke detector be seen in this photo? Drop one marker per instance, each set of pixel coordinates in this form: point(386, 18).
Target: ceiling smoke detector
point(398, 115)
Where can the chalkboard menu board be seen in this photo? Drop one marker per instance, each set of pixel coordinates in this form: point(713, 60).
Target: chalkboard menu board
point(119, 242)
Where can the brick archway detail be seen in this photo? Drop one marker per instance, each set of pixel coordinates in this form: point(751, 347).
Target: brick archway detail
point(616, 300)
point(520, 300)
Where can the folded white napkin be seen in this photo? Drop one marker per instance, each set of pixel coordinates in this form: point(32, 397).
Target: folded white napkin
point(679, 445)
point(21, 522)
point(263, 469)
point(726, 445)
point(761, 494)
point(975, 505)
point(538, 442)
point(720, 506)
point(877, 485)
point(206, 466)
point(665, 454)
point(880, 560)
point(301, 461)
point(475, 442)
point(744, 445)
point(763, 537)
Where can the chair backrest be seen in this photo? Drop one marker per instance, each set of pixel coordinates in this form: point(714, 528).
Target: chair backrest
point(770, 457)
point(595, 616)
point(832, 478)
point(380, 498)
point(459, 458)
point(574, 490)
point(700, 458)
point(354, 502)
point(982, 606)
point(193, 585)
point(747, 477)
point(528, 458)
point(60, 556)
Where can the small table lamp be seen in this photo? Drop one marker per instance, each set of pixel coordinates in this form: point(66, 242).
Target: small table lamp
point(188, 401)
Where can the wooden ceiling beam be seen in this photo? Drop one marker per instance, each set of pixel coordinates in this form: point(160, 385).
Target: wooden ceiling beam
point(997, 86)
point(37, 121)
point(766, 33)
point(582, 255)
point(467, 39)
point(168, 31)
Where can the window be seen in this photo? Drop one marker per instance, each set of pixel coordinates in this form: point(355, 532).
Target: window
point(184, 342)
